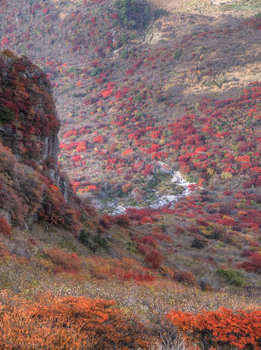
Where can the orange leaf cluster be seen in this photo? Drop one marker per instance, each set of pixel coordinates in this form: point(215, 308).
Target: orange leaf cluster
point(64, 262)
point(221, 328)
point(66, 323)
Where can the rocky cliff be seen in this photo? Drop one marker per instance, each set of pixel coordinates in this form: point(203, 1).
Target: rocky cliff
point(29, 124)
point(31, 185)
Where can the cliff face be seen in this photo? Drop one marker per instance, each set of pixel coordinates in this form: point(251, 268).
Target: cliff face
point(31, 186)
point(28, 121)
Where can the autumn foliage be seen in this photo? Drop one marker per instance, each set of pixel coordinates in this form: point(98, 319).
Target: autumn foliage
point(221, 329)
point(66, 323)
point(254, 263)
point(64, 262)
point(5, 228)
point(71, 322)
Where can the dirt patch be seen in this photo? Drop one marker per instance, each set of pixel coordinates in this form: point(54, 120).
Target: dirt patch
point(210, 7)
point(223, 57)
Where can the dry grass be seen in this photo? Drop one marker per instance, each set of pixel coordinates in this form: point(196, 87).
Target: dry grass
point(142, 298)
point(33, 273)
point(215, 8)
point(28, 269)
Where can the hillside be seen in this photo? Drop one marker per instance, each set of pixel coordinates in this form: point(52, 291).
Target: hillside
point(157, 109)
point(181, 49)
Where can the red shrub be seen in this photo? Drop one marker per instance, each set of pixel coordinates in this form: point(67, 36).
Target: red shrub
point(153, 258)
point(139, 275)
point(254, 265)
point(146, 220)
point(5, 228)
point(185, 168)
point(148, 240)
point(121, 93)
point(76, 158)
point(105, 221)
point(179, 229)
point(121, 220)
point(98, 139)
point(64, 262)
point(31, 241)
point(161, 237)
point(106, 93)
point(185, 277)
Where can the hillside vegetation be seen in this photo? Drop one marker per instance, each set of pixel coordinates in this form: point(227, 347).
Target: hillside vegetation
point(157, 108)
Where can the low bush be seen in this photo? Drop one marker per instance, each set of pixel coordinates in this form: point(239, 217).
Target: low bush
point(66, 323)
point(153, 258)
point(5, 228)
point(6, 115)
point(235, 278)
point(64, 262)
point(221, 329)
point(93, 241)
point(254, 265)
point(185, 277)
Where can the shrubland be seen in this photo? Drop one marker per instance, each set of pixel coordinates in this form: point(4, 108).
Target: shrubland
point(137, 102)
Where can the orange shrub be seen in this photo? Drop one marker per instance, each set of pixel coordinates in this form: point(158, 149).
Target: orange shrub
point(146, 220)
point(66, 323)
point(124, 269)
point(64, 262)
point(222, 329)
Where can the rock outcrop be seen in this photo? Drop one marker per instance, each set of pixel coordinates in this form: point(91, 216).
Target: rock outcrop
point(31, 185)
point(28, 121)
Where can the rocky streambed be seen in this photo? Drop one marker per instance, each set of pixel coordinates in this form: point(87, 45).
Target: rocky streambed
point(163, 188)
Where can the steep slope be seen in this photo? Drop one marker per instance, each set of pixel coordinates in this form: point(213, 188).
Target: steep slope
point(32, 187)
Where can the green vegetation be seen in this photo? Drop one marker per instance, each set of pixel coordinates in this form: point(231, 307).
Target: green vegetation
point(177, 54)
point(137, 98)
point(218, 81)
point(6, 116)
point(160, 13)
point(133, 14)
point(97, 71)
point(157, 179)
point(63, 243)
point(131, 247)
point(243, 7)
point(124, 37)
point(232, 277)
point(93, 241)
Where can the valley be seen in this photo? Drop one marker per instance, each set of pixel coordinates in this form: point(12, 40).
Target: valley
point(150, 197)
